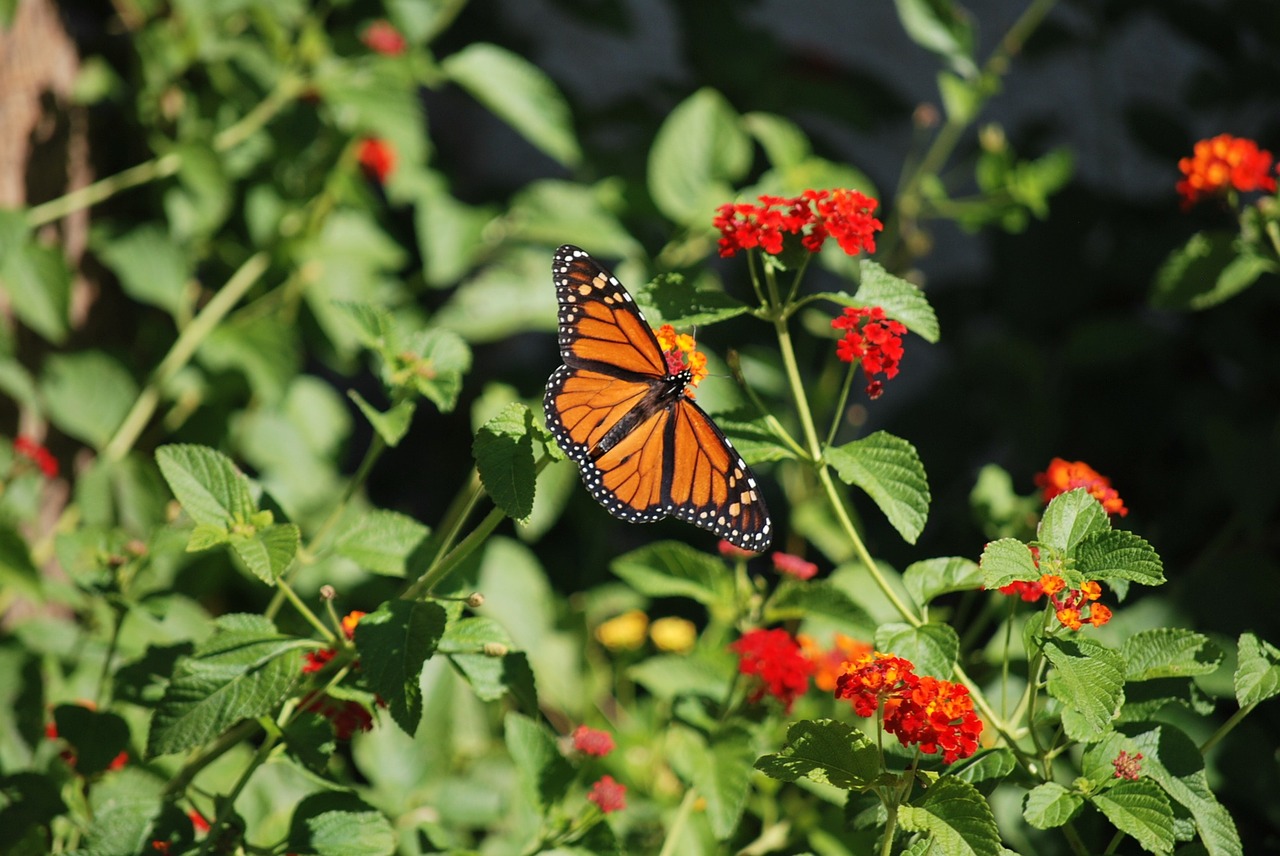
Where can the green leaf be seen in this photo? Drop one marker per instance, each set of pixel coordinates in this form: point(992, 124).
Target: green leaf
point(672, 569)
point(752, 437)
point(1257, 676)
point(1071, 517)
point(901, 300)
point(551, 212)
point(543, 770)
point(517, 281)
point(391, 425)
point(888, 469)
point(201, 199)
point(123, 805)
point(96, 737)
point(268, 551)
point(374, 325)
point(1139, 809)
point(698, 154)
point(443, 359)
point(827, 752)
point(986, 766)
point(338, 823)
point(931, 647)
point(394, 641)
point(685, 304)
point(798, 600)
point(999, 508)
point(151, 267)
point(1171, 759)
point(208, 485)
point(1006, 560)
point(1088, 678)
point(932, 577)
point(1050, 805)
point(380, 541)
point(87, 394)
point(1210, 268)
point(943, 28)
point(784, 143)
point(720, 770)
point(503, 450)
point(961, 99)
point(956, 817)
point(1168, 652)
point(1119, 555)
point(37, 280)
point(261, 347)
point(244, 669)
point(450, 233)
point(491, 677)
point(668, 676)
point(28, 801)
point(519, 93)
point(17, 569)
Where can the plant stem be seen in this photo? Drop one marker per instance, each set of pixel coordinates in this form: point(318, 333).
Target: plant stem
point(1225, 728)
point(229, 738)
point(442, 568)
point(677, 826)
point(226, 803)
point(838, 416)
point(144, 407)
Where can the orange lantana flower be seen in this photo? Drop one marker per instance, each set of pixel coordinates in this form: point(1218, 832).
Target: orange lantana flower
point(1063, 475)
point(1221, 163)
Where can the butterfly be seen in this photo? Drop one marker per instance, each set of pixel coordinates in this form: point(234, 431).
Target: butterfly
point(646, 450)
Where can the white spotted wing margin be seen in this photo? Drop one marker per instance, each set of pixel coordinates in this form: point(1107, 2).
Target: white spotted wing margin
point(644, 449)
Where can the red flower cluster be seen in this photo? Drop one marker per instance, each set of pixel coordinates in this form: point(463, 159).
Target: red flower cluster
point(1063, 476)
point(318, 659)
point(382, 37)
point(608, 794)
point(31, 450)
point(776, 659)
point(589, 741)
point(785, 563)
point(1127, 766)
point(346, 715)
point(931, 713)
point(377, 158)
point(813, 216)
point(829, 663)
point(872, 338)
point(1068, 606)
point(1224, 162)
point(681, 352)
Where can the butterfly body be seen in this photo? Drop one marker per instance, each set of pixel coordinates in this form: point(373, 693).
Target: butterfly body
point(645, 450)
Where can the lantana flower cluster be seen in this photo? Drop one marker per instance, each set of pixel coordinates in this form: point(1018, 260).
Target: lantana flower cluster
point(1063, 475)
point(933, 714)
point(813, 216)
point(681, 352)
point(1223, 163)
point(872, 338)
point(26, 447)
point(777, 662)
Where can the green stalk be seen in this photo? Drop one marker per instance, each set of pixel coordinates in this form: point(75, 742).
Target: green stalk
point(838, 416)
point(1225, 728)
point(445, 566)
point(226, 803)
point(677, 825)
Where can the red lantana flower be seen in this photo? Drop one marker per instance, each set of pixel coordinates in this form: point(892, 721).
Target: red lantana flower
point(813, 216)
point(377, 158)
point(1224, 162)
point(1127, 766)
point(346, 715)
point(828, 664)
point(589, 741)
point(28, 448)
point(1062, 476)
point(608, 794)
point(776, 659)
point(785, 563)
point(872, 338)
point(382, 37)
point(733, 551)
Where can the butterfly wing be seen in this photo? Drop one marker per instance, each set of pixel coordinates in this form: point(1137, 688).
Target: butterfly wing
point(644, 449)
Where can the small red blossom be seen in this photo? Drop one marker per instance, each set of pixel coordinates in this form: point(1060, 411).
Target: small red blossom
point(158, 846)
point(1099, 614)
point(347, 716)
point(349, 622)
point(1028, 590)
point(589, 741)
point(872, 338)
point(317, 659)
point(873, 678)
point(1224, 162)
point(198, 822)
point(1128, 766)
point(785, 563)
point(1062, 476)
point(733, 551)
point(28, 448)
point(382, 37)
point(377, 158)
point(776, 659)
point(608, 794)
point(813, 216)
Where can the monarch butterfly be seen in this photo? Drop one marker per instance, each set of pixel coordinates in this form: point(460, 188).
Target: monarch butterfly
point(644, 448)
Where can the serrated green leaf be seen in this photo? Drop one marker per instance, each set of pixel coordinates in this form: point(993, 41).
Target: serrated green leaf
point(87, 394)
point(1119, 555)
point(123, 805)
point(244, 669)
point(450, 232)
point(373, 324)
point(931, 647)
point(520, 94)
point(988, 765)
point(206, 536)
point(797, 600)
point(783, 141)
point(698, 154)
point(1210, 268)
point(259, 346)
point(394, 641)
point(720, 771)
point(901, 300)
point(152, 269)
point(668, 676)
point(380, 541)
point(1139, 809)
point(825, 751)
point(38, 282)
point(684, 304)
point(932, 577)
point(1050, 805)
point(672, 569)
point(443, 360)
point(1006, 560)
point(752, 437)
point(889, 470)
point(543, 770)
point(1088, 678)
point(211, 489)
point(392, 425)
point(337, 823)
point(1257, 675)
point(503, 450)
point(956, 816)
point(269, 551)
point(1071, 517)
point(1168, 652)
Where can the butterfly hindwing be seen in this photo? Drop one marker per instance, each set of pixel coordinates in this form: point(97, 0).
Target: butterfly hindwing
point(645, 450)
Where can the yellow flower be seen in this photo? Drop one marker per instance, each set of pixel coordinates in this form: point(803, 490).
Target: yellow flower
point(676, 635)
point(623, 632)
